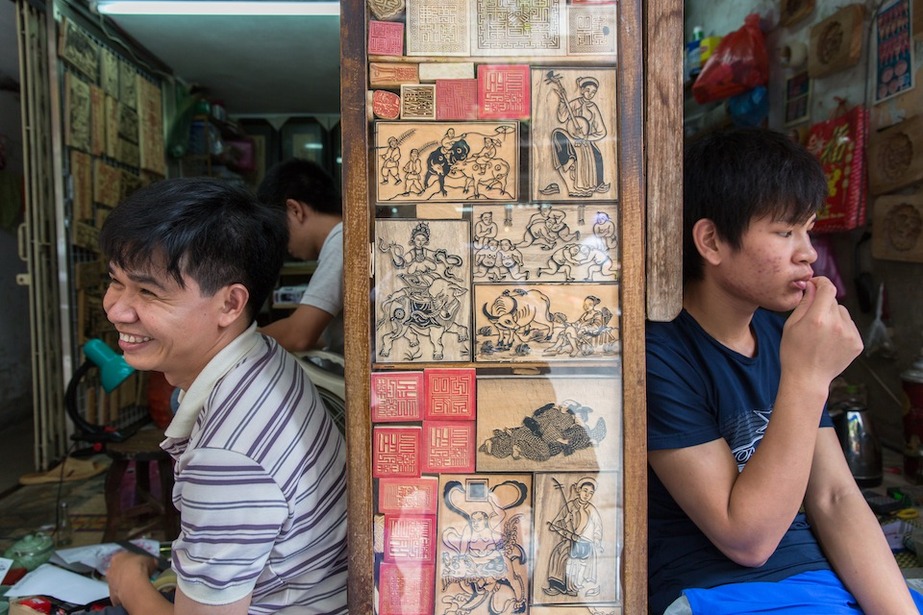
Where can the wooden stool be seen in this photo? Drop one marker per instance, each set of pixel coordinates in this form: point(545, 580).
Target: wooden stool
point(146, 511)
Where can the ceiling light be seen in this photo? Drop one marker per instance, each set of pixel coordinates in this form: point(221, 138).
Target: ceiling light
point(214, 7)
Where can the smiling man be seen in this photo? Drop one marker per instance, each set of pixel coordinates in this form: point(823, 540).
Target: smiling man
point(259, 464)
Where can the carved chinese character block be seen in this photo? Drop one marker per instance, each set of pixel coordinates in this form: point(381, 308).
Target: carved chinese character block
point(438, 28)
point(418, 102)
point(386, 38)
point(408, 495)
point(456, 99)
point(503, 91)
point(448, 446)
point(397, 396)
point(451, 394)
point(396, 451)
point(410, 538)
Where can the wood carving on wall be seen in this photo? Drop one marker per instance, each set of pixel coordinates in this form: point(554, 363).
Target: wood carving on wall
point(794, 11)
point(895, 156)
point(483, 560)
point(543, 424)
point(574, 134)
point(836, 42)
point(418, 102)
point(897, 228)
point(109, 72)
point(77, 103)
point(577, 525)
point(438, 28)
point(546, 322)
point(422, 291)
point(518, 27)
point(446, 161)
point(97, 121)
point(551, 243)
point(591, 29)
point(128, 85)
point(392, 74)
point(78, 49)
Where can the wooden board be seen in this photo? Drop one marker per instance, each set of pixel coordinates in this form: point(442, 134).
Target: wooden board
point(107, 183)
point(386, 10)
point(897, 228)
point(77, 125)
point(422, 291)
point(518, 28)
point(591, 29)
point(438, 28)
point(451, 155)
point(531, 424)
point(109, 72)
point(150, 118)
point(574, 153)
point(546, 322)
point(78, 49)
point(484, 554)
point(570, 510)
point(97, 121)
point(895, 156)
point(81, 167)
point(434, 71)
point(128, 85)
point(836, 42)
point(548, 243)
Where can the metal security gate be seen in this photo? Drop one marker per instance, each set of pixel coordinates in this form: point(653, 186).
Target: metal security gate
point(42, 232)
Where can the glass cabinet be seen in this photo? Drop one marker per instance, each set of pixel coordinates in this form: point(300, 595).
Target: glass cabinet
point(496, 224)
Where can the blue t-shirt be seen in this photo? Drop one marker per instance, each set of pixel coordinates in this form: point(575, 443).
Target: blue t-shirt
point(698, 390)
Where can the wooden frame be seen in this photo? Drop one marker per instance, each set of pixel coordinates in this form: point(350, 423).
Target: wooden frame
point(641, 171)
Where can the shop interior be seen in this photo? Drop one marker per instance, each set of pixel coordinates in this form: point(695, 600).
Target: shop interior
point(268, 94)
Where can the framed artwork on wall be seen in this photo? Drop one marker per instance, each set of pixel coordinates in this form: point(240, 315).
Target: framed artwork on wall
point(305, 138)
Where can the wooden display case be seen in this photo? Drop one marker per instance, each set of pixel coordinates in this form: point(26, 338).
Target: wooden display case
point(510, 220)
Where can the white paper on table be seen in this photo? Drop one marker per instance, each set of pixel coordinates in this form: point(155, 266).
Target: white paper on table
point(48, 580)
point(98, 556)
point(5, 565)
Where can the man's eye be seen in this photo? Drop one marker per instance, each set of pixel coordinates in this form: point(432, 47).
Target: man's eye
point(785, 233)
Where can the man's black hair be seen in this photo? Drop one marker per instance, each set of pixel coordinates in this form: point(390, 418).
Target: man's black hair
point(301, 180)
point(736, 175)
point(207, 229)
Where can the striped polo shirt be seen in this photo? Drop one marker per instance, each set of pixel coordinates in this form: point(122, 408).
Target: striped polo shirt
point(260, 473)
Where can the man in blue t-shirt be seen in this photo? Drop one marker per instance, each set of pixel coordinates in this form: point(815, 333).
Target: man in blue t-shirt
point(738, 435)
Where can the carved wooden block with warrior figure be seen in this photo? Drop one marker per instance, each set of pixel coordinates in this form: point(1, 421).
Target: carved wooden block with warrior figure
point(574, 134)
point(455, 161)
point(423, 291)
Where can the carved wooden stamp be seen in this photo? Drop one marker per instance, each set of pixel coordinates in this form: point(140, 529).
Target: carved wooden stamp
point(397, 396)
point(574, 128)
point(591, 29)
point(448, 446)
point(438, 28)
point(485, 531)
point(451, 394)
point(894, 156)
point(459, 161)
point(386, 105)
point(538, 424)
point(405, 588)
point(81, 168)
point(836, 42)
point(386, 38)
point(456, 99)
point(408, 495)
point(503, 91)
point(98, 121)
point(385, 10)
point(392, 74)
point(519, 27)
point(418, 102)
point(898, 223)
point(396, 451)
point(410, 538)
point(423, 302)
point(109, 72)
point(78, 49)
point(107, 182)
point(128, 85)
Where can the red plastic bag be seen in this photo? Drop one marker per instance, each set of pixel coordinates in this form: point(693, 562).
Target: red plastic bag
point(739, 63)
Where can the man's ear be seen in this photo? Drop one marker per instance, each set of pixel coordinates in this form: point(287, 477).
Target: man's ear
point(296, 209)
point(707, 242)
point(234, 303)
